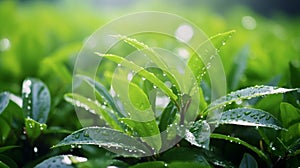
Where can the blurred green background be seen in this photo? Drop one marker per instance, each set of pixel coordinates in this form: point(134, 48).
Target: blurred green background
point(41, 38)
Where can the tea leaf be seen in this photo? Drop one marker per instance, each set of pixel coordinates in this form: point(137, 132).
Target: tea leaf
point(249, 117)
point(36, 100)
point(148, 131)
point(93, 107)
point(153, 164)
point(4, 100)
point(248, 161)
point(63, 161)
point(141, 71)
point(103, 92)
point(241, 142)
point(246, 93)
point(105, 137)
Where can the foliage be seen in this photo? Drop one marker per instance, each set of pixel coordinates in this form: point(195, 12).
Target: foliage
point(259, 125)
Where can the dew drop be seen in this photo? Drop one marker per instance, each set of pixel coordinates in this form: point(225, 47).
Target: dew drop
point(223, 42)
point(239, 101)
point(208, 65)
point(35, 149)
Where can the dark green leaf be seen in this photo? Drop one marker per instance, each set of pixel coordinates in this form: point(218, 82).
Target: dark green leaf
point(5, 148)
point(3, 165)
point(63, 161)
point(183, 156)
point(247, 93)
point(249, 117)
point(4, 100)
point(106, 137)
point(36, 100)
point(168, 116)
point(241, 142)
point(8, 161)
point(153, 164)
point(5, 130)
point(248, 161)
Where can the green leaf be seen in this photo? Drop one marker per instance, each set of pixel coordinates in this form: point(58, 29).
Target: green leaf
point(168, 116)
point(5, 148)
point(289, 115)
point(8, 161)
point(248, 161)
point(141, 71)
point(95, 108)
point(5, 130)
point(152, 164)
point(138, 98)
point(148, 131)
point(238, 68)
point(105, 137)
point(141, 46)
point(249, 117)
point(247, 93)
point(34, 128)
point(294, 67)
point(187, 157)
point(219, 39)
point(36, 100)
point(103, 92)
point(3, 165)
point(4, 100)
point(241, 142)
point(63, 161)
point(199, 134)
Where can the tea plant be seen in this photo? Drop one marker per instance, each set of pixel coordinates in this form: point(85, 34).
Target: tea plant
point(127, 137)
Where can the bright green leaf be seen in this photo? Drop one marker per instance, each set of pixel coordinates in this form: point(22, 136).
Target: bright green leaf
point(148, 131)
point(36, 100)
point(95, 108)
point(141, 71)
point(103, 92)
point(34, 128)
